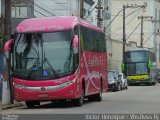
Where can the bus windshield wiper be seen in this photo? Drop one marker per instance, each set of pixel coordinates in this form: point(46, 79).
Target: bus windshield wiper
point(67, 72)
point(50, 66)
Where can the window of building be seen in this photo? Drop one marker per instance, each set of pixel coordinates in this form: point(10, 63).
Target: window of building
point(19, 12)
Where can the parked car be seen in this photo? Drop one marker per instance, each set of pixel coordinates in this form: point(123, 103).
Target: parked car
point(114, 82)
point(124, 81)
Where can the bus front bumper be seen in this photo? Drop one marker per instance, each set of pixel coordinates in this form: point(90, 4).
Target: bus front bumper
point(139, 81)
point(46, 93)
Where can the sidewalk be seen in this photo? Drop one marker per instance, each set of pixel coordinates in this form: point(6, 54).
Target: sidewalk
point(9, 106)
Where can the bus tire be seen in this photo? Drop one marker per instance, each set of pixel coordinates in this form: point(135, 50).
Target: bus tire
point(79, 101)
point(31, 104)
point(99, 95)
point(115, 89)
point(149, 83)
point(154, 83)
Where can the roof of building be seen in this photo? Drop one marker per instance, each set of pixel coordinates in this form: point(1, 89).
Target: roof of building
point(53, 24)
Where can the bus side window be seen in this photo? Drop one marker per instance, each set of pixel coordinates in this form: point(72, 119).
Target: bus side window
point(76, 30)
point(76, 56)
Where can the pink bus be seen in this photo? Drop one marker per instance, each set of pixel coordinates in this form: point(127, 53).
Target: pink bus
point(59, 58)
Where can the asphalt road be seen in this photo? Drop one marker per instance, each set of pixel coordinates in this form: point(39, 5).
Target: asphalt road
point(137, 99)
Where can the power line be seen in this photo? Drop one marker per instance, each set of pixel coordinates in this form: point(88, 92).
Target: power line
point(132, 12)
point(133, 31)
point(142, 20)
point(91, 11)
point(114, 18)
point(124, 30)
point(40, 7)
point(25, 2)
point(133, 17)
point(128, 22)
point(148, 38)
point(121, 2)
point(127, 2)
point(53, 1)
point(87, 10)
point(21, 13)
point(49, 8)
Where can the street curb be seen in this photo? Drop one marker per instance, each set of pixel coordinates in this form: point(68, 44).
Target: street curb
point(9, 106)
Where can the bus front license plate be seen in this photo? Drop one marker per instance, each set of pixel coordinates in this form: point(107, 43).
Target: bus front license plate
point(43, 95)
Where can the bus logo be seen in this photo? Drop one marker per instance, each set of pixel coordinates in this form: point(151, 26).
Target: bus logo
point(43, 88)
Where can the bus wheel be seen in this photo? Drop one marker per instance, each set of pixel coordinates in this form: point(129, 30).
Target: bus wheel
point(31, 104)
point(80, 100)
point(149, 83)
point(99, 95)
point(154, 83)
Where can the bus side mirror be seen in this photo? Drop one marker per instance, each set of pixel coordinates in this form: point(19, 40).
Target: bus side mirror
point(149, 65)
point(7, 48)
point(75, 44)
point(123, 67)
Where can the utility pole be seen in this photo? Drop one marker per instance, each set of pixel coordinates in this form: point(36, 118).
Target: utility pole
point(142, 21)
point(141, 44)
point(81, 9)
point(7, 97)
point(7, 24)
point(124, 31)
point(156, 32)
point(99, 18)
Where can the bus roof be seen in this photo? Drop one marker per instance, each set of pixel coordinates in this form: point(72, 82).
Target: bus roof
point(53, 24)
point(140, 49)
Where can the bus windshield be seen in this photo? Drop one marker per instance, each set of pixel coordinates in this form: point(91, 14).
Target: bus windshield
point(43, 56)
point(136, 68)
point(136, 56)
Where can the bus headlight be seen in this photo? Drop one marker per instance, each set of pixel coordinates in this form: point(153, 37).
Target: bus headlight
point(20, 86)
point(67, 83)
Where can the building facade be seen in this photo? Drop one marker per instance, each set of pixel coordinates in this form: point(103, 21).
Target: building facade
point(151, 14)
point(21, 9)
point(49, 8)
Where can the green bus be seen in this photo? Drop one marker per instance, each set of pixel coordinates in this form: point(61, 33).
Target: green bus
point(140, 66)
